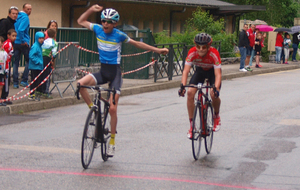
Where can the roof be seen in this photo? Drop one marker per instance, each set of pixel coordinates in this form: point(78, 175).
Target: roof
point(218, 7)
point(202, 3)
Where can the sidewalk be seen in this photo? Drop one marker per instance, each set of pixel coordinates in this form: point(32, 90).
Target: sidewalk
point(130, 87)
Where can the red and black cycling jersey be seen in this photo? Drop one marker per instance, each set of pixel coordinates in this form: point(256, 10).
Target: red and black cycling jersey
point(210, 60)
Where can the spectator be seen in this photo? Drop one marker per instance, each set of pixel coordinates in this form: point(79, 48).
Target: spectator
point(257, 49)
point(8, 48)
point(296, 38)
point(278, 47)
point(36, 65)
point(243, 44)
point(5, 25)
point(286, 43)
point(8, 23)
point(22, 45)
point(250, 50)
point(3, 57)
point(51, 24)
point(253, 52)
point(49, 50)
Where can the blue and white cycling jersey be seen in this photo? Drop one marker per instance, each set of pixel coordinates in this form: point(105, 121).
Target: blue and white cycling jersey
point(109, 45)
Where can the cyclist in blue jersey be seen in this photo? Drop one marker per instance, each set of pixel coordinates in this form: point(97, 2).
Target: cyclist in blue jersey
point(109, 41)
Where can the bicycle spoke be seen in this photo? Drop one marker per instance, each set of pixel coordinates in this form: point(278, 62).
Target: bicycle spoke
point(209, 128)
point(88, 138)
point(196, 140)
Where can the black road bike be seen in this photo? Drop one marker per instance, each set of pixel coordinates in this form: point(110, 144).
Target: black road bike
point(96, 130)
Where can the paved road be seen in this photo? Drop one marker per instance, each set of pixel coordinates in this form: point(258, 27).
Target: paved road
point(257, 147)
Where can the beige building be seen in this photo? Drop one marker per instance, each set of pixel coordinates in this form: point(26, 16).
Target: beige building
point(157, 15)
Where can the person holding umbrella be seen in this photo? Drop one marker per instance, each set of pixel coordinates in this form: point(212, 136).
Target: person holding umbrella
point(296, 37)
point(278, 46)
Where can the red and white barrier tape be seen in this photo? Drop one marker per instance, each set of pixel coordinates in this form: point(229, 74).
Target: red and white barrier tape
point(18, 98)
point(128, 72)
point(129, 55)
point(62, 49)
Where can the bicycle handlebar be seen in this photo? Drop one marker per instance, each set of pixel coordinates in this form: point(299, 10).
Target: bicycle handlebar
point(96, 87)
point(200, 86)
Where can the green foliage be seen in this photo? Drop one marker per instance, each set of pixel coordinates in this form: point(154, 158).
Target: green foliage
point(278, 12)
point(204, 22)
point(228, 41)
point(200, 22)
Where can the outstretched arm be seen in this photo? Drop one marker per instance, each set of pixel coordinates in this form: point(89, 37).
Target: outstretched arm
point(144, 46)
point(82, 20)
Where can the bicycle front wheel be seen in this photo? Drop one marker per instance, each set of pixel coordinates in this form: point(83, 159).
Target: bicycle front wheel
point(209, 128)
point(88, 139)
point(196, 140)
point(105, 118)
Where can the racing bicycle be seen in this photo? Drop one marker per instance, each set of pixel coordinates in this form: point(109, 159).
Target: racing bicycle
point(203, 121)
point(96, 130)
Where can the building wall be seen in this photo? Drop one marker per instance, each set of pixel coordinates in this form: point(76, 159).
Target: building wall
point(142, 16)
point(42, 10)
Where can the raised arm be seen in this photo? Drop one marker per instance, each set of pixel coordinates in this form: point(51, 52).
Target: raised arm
point(144, 46)
point(82, 20)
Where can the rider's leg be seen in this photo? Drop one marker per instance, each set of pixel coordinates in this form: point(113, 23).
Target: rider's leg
point(113, 113)
point(216, 102)
point(190, 101)
point(87, 80)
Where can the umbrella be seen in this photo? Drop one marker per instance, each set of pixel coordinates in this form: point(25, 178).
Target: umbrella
point(258, 22)
point(264, 28)
point(295, 29)
point(283, 30)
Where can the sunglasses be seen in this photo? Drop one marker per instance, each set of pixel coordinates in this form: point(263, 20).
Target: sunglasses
point(52, 20)
point(108, 21)
point(13, 7)
point(201, 46)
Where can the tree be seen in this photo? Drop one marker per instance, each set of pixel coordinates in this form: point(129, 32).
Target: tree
point(278, 12)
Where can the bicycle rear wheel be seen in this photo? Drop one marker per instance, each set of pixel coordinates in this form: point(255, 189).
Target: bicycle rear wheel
point(209, 128)
point(105, 118)
point(88, 139)
point(197, 125)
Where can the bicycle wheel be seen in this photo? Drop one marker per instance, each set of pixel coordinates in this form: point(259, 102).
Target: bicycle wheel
point(209, 128)
point(196, 140)
point(88, 139)
point(105, 118)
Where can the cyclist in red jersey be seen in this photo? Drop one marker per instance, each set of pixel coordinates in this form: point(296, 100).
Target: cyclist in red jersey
point(208, 65)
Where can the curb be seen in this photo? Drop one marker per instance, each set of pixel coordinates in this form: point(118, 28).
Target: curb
point(72, 100)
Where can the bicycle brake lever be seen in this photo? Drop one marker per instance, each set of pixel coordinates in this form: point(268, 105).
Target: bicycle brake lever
point(77, 91)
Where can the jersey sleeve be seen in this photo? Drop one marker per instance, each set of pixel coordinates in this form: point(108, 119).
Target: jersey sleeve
point(123, 37)
point(190, 57)
point(95, 27)
point(216, 59)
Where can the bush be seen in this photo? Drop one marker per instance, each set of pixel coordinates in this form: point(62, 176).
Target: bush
point(201, 21)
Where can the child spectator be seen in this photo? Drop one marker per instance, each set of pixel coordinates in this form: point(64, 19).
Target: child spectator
point(257, 49)
point(286, 43)
point(8, 48)
point(3, 70)
point(36, 64)
point(49, 50)
point(52, 24)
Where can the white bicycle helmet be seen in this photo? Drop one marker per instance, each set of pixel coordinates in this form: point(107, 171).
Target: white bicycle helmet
point(110, 14)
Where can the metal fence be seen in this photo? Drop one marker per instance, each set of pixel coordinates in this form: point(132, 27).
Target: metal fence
point(166, 66)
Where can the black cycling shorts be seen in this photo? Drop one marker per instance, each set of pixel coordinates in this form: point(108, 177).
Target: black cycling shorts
point(200, 75)
point(109, 73)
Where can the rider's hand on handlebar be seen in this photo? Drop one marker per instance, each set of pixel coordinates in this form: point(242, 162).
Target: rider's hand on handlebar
point(181, 91)
point(216, 92)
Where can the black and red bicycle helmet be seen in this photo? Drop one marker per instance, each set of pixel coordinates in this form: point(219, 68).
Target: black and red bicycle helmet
point(203, 39)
